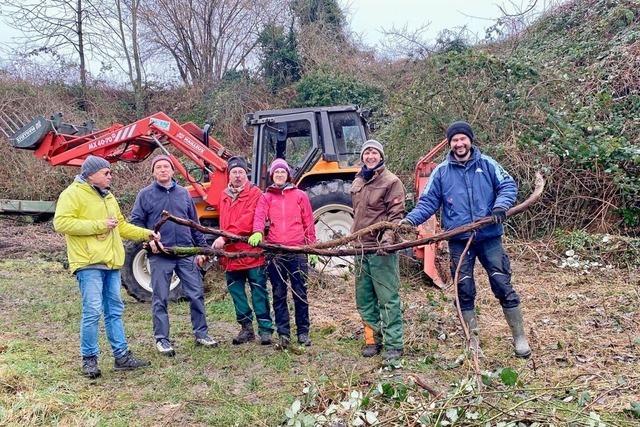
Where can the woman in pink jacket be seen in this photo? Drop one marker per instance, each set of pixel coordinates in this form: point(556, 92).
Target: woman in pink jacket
point(288, 212)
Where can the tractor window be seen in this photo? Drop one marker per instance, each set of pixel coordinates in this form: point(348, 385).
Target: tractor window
point(291, 141)
point(348, 134)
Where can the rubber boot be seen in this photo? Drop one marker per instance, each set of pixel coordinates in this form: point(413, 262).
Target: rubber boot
point(471, 321)
point(516, 323)
point(245, 335)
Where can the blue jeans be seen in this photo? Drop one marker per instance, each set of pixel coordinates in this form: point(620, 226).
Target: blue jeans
point(162, 269)
point(100, 291)
point(293, 268)
point(494, 260)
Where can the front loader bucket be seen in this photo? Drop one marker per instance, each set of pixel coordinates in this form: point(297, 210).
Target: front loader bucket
point(31, 135)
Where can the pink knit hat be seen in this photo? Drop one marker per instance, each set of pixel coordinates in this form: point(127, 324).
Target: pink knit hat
point(279, 164)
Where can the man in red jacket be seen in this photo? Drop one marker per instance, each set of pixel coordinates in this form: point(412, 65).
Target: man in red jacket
point(237, 207)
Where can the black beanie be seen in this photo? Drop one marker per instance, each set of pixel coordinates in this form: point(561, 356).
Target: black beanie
point(459, 127)
point(237, 162)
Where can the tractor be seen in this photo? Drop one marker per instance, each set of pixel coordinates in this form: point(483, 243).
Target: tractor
point(321, 146)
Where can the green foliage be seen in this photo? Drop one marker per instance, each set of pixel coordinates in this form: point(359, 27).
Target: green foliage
point(320, 88)
point(327, 12)
point(280, 58)
point(508, 376)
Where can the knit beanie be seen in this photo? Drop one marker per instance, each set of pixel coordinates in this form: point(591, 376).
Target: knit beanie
point(159, 157)
point(277, 164)
point(93, 164)
point(459, 127)
point(372, 143)
point(236, 162)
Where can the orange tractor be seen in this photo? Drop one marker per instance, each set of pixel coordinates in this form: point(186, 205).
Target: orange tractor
point(321, 145)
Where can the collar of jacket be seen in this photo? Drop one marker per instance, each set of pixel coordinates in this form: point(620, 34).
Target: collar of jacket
point(376, 173)
point(275, 189)
point(475, 155)
point(163, 188)
point(102, 193)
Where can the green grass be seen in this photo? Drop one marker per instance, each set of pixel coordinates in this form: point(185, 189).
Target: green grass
point(254, 385)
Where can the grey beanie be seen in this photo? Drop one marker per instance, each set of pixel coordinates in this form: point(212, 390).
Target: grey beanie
point(236, 162)
point(93, 164)
point(459, 127)
point(372, 143)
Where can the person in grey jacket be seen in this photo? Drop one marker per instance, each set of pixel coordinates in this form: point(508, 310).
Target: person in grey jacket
point(166, 194)
point(468, 186)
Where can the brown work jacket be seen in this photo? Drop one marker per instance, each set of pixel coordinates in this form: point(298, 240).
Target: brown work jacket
point(379, 199)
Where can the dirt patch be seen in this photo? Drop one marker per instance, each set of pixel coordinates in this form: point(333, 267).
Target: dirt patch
point(21, 239)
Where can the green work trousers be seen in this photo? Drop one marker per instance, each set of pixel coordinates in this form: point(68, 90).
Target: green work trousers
point(378, 298)
point(257, 280)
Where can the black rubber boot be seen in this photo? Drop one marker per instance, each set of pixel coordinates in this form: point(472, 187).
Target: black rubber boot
point(90, 367)
point(245, 335)
point(471, 321)
point(370, 350)
point(516, 323)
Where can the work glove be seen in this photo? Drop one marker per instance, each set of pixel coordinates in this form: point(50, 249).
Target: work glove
point(405, 221)
point(499, 215)
point(313, 260)
point(201, 260)
point(255, 238)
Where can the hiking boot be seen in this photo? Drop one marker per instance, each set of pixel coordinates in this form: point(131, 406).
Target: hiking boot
point(245, 335)
point(304, 340)
point(284, 342)
point(392, 354)
point(471, 321)
point(206, 341)
point(516, 324)
point(163, 345)
point(265, 338)
point(128, 362)
point(90, 367)
point(370, 350)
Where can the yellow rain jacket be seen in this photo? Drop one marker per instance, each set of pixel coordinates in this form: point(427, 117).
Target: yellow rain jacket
point(80, 215)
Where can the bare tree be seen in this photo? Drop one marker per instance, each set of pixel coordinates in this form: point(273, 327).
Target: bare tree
point(121, 40)
point(206, 38)
point(54, 26)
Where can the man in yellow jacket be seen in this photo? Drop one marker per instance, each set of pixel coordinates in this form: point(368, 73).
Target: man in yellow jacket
point(89, 216)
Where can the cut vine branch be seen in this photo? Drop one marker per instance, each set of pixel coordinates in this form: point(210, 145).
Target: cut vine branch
point(336, 247)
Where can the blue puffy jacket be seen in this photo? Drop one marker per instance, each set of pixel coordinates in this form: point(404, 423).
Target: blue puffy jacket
point(467, 192)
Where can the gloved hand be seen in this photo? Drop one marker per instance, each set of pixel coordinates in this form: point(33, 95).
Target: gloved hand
point(255, 238)
point(405, 221)
point(200, 260)
point(313, 260)
point(499, 215)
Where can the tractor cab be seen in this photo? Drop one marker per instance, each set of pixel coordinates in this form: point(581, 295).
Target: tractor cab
point(317, 143)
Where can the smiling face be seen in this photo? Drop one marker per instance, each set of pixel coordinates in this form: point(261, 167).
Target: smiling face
point(163, 172)
point(460, 146)
point(238, 177)
point(101, 179)
point(371, 157)
point(280, 176)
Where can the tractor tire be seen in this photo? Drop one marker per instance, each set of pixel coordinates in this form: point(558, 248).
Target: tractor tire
point(333, 217)
point(136, 278)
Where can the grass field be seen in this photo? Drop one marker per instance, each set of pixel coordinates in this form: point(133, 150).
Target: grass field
point(584, 330)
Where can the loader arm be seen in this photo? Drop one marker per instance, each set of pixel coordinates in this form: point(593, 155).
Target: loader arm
point(431, 265)
point(62, 144)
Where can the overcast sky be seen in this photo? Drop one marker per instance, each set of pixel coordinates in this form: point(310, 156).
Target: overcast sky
point(368, 17)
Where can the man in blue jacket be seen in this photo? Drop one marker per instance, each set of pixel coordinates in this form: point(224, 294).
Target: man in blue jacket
point(468, 186)
point(166, 194)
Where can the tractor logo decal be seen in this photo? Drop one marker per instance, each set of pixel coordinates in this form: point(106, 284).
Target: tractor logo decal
point(28, 132)
point(123, 133)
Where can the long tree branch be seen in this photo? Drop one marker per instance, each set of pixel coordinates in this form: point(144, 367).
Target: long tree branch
point(322, 248)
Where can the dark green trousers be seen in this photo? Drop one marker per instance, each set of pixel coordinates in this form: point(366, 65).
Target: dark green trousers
point(378, 298)
point(257, 280)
